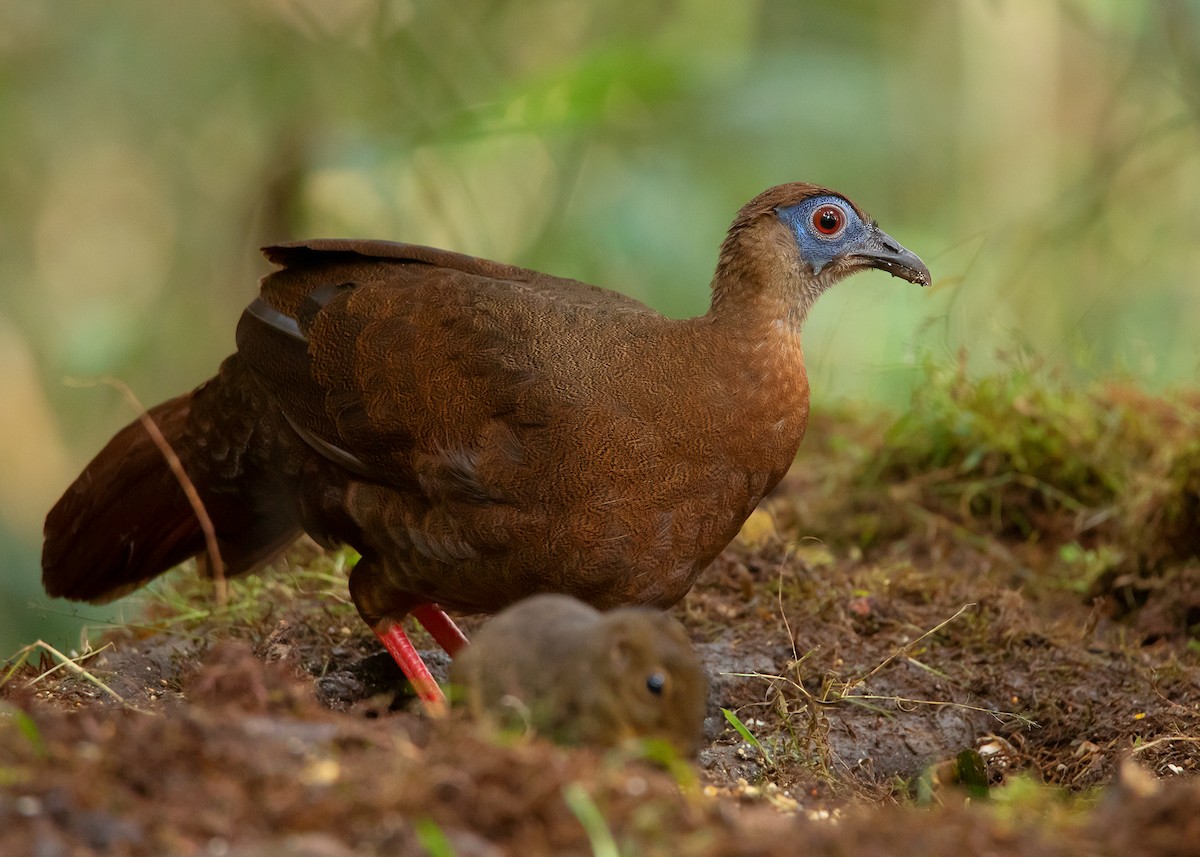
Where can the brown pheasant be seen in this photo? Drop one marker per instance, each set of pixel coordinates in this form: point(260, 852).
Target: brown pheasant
point(479, 432)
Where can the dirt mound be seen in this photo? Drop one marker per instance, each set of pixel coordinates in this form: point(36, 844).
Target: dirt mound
point(1025, 631)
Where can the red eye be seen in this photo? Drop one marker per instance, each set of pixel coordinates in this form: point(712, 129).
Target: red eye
point(829, 220)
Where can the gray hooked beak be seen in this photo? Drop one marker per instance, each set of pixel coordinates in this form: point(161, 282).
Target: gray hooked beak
point(882, 251)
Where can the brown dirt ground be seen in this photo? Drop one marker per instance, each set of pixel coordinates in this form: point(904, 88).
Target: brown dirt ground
point(863, 676)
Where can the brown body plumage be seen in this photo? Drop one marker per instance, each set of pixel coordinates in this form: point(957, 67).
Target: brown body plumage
point(479, 432)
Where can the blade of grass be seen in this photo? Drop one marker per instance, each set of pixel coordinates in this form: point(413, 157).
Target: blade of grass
point(742, 730)
point(26, 726)
point(584, 808)
point(432, 838)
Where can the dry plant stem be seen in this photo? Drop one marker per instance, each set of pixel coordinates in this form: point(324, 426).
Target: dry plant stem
point(1166, 739)
point(71, 664)
point(787, 626)
point(216, 567)
point(833, 697)
point(840, 691)
point(900, 651)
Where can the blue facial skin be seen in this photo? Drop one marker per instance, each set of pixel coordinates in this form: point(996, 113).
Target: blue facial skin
point(817, 249)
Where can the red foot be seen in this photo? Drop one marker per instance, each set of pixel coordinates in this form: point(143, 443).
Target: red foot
point(392, 635)
point(441, 627)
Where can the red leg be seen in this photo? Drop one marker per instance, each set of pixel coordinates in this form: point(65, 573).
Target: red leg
point(391, 634)
point(441, 627)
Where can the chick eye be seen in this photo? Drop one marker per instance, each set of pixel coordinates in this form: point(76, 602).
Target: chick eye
point(829, 220)
point(655, 683)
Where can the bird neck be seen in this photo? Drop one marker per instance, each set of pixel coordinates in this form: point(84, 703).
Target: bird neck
point(759, 304)
point(760, 287)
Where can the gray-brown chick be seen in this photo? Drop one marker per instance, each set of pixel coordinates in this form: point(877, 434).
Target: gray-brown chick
point(580, 676)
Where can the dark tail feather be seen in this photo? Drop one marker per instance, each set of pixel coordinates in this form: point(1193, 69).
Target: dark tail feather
point(126, 519)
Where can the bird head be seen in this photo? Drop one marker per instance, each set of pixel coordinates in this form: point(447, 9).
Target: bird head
point(792, 242)
point(836, 239)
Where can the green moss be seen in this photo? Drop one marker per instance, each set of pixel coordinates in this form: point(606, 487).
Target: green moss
point(1003, 452)
point(305, 582)
point(1070, 487)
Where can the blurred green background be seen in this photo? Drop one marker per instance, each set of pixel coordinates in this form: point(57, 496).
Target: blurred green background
point(1042, 157)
